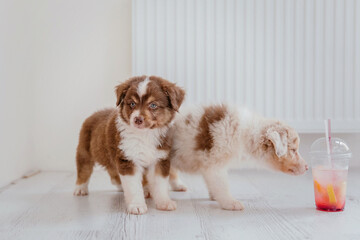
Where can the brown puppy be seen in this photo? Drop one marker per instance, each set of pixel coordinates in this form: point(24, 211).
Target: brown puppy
point(131, 141)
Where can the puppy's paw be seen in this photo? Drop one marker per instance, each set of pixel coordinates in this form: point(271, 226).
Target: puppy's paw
point(233, 205)
point(81, 190)
point(180, 187)
point(119, 187)
point(147, 193)
point(137, 208)
point(169, 205)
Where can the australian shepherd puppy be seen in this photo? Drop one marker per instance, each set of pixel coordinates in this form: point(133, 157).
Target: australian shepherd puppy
point(205, 139)
point(132, 141)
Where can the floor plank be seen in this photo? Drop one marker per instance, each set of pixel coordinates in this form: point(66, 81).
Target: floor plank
point(277, 206)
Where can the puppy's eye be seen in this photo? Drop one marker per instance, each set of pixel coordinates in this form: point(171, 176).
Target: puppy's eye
point(153, 106)
point(132, 104)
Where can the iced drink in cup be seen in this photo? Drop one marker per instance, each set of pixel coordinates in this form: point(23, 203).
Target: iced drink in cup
point(330, 173)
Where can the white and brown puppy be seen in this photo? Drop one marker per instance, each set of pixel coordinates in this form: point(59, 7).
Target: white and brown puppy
point(131, 141)
point(205, 139)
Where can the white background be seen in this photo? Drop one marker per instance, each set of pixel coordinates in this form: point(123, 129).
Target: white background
point(296, 60)
point(59, 62)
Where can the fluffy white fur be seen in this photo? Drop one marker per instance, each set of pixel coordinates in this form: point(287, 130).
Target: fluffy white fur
point(148, 139)
point(133, 192)
point(143, 87)
point(143, 157)
point(240, 135)
point(158, 186)
point(226, 143)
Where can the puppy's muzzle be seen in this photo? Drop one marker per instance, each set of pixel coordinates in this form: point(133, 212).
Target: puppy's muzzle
point(138, 121)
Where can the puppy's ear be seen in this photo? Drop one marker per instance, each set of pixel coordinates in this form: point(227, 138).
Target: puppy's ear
point(120, 91)
point(174, 93)
point(279, 141)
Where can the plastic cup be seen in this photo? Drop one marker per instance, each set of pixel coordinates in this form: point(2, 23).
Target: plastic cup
point(330, 173)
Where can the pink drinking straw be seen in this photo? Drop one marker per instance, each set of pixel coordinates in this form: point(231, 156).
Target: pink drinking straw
point(328, 139)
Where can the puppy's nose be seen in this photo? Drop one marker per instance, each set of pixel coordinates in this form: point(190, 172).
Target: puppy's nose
point(139, 120)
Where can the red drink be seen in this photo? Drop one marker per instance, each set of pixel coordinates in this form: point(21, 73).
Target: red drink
point(329, 188)
point(330, 163)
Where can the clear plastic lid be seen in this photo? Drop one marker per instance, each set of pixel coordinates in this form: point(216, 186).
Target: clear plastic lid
point(339, 148)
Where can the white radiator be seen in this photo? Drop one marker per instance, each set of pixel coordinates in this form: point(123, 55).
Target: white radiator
point(294, 60)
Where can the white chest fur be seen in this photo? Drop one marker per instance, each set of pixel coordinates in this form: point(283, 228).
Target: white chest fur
point(141, 145)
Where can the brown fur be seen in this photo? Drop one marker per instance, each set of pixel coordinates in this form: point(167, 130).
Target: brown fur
point(144, 180)
point(166, 95)
point(125, 167)
point(98, 142)
point(165, 143)
point(163, 167)
point(174, 94)
point(122, 89)
point(212, 114)
point(99, 138)
point(173, 175)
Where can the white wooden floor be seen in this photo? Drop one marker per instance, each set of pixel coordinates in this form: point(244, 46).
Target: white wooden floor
point(277, 206)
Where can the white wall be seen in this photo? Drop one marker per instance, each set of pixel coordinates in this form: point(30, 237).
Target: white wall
point(16, 100)
point(59, 62)
point(290, 59)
